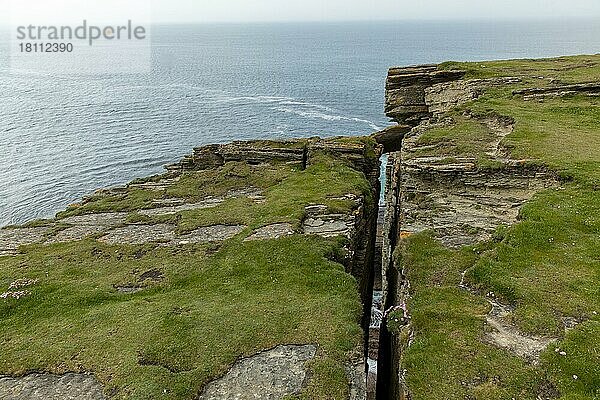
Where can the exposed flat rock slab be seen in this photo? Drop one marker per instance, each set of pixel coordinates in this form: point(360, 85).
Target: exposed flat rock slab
point(162, 184)
point(251, 193)
point(321, 222)
point(102, 219)
point(165, 234)
point(51, 387)
point(170, 210)
point(140, 234)
point(215, 233)
point(11, 239)
point(327, 226)
point(87, 225)
point(269, 375)
point(75, 233)
point(274, 231)
point(590, 89)
point(176, 205)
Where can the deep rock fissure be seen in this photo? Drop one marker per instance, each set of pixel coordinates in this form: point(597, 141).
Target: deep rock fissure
point(408, 103)
point(459, 202)
point(376, 311)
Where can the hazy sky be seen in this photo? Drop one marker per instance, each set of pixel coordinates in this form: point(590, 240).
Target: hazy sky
point(298, 10)
point(292, 10)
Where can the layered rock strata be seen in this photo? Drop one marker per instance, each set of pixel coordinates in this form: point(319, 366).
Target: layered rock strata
point(456, 199)
point(405, 91)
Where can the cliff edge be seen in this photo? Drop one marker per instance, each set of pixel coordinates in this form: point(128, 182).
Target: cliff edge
point(491, 232)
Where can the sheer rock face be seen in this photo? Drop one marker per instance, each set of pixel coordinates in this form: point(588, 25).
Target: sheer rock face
point(214, 156)
point(463, 205)
point(405, 91)
point(453, 197)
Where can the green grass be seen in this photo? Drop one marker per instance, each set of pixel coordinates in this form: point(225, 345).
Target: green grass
point(563, 134)
point(214, 304)
point(192, 186)
point(321, 183)
point(183, 331)
point(465, 138)
point(547, 266)
point(448, 359)
point(551, 254)
point(574, 69)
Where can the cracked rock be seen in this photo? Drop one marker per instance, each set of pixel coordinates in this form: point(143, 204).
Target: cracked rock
point(140, 234)
point(174, 209)
point(11, 239)
point(270, 375)
point(274, 231)
point(51, 387)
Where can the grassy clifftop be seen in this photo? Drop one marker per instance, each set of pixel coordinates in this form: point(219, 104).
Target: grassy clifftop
point(158, 288)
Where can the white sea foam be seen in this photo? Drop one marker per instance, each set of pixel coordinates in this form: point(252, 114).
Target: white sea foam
point(328, 117)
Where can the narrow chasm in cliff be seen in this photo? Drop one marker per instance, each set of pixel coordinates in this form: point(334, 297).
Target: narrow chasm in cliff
point(376, 312)
point(408, 106)
point(472, 232)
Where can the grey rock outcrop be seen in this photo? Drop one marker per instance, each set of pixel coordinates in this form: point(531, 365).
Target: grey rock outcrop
point(270, 375)
point(51, 387)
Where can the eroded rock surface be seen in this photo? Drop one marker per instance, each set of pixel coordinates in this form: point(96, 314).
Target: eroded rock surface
point(174, 209)
point(465, 206)
point(322, 223)
point(140, 234)
point(75, 233)
point(461, 194)
point(274, 231)
point(87, 225)
point(590, 89)
point(270, 375)
point(51, 387)
point(405, 91)
point(11, 239)
point(102, 219)
point(327, 226)
point(505, 335)
point(158, 186)
point(165, 234)
point(443, 97)
point(461, 202)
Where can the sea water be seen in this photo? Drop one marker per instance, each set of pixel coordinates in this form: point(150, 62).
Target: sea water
point(65, 136)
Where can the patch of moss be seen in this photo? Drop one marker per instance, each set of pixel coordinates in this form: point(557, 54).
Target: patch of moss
point(447, 358)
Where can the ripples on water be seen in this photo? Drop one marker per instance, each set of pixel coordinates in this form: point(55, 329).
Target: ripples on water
point(63, 137)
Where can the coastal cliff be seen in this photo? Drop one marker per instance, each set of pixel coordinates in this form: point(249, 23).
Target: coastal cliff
point(268, 270)
point(473, 186)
